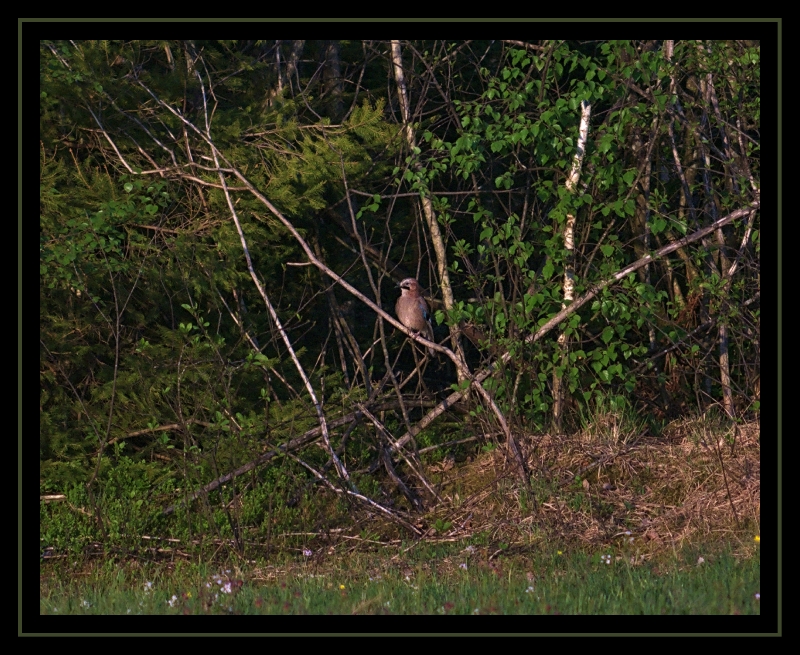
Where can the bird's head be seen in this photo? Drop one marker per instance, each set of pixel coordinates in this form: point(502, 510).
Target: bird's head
point(410, 285)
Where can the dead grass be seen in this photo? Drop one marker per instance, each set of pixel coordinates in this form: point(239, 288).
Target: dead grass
point(698, 480)
point(696, 483)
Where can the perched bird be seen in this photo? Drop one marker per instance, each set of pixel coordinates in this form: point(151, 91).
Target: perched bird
point(412, 310)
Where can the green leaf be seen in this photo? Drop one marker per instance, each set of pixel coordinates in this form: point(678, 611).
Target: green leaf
point(658, 225)
point(547, 270)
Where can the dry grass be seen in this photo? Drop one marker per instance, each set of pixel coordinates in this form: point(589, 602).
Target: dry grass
point(697, 480)
point(696, 483)
point(611, 487)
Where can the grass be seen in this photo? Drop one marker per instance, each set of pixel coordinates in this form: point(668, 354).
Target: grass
point(441, 580)
point(616, 522)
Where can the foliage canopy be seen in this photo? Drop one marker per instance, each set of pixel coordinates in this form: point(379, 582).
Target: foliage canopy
point(222, 225)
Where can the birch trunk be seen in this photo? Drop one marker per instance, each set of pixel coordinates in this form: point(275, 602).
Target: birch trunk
point(427, 207)
point(559, 395)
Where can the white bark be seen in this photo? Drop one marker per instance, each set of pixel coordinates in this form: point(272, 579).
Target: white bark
point(569, 268)
point(427, 207)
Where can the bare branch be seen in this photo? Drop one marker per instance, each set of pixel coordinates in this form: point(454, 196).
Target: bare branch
point(571, 309)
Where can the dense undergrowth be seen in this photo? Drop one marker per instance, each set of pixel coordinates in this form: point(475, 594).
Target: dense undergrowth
point(224, 380)
point(654, 510)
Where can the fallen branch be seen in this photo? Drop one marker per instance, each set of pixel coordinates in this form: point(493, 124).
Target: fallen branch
point(290, 446)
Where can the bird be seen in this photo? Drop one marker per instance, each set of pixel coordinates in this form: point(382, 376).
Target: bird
point(413, 311)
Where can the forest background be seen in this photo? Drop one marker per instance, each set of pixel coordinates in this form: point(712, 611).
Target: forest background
point(223, 226)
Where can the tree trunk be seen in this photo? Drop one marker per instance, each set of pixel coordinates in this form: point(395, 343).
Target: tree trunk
point(427, 207)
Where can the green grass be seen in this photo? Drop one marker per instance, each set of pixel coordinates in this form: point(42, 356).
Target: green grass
point(434, 580)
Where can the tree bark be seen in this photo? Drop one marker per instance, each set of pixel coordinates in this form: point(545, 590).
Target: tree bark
point(427, 207)
point(568, 289)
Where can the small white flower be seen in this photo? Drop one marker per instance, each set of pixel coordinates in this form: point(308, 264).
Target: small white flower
point(476, 611)
point(129, 610)
point(463, 565)
point(529, 590)
point(226, 588)
point(470, 549)
point(86, 603)
point(148, 586)
point(173, 600)
point(306, 552)
point(700, 560)
point(758, 595)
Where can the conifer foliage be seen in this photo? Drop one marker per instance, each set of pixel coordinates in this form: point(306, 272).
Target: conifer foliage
point(223, 225)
